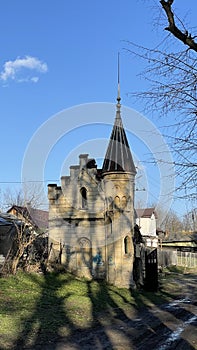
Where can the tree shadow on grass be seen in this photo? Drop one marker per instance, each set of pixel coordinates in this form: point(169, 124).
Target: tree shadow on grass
point(43, 325)
point(51, 324)
point(115, 320)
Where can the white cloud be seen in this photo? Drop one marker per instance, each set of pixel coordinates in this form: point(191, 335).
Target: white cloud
point(14, 69)
point(34, 79)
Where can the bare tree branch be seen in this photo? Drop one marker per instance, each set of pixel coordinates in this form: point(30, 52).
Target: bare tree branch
point(173, 92)
point(186, 37)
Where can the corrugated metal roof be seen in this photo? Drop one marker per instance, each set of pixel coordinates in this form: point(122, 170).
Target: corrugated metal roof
point(8, 219)
point(118, 157)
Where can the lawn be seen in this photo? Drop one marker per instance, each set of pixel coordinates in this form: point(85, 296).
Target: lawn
point(36, 308)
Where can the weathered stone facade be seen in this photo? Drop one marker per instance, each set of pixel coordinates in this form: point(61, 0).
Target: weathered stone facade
point(91, 215)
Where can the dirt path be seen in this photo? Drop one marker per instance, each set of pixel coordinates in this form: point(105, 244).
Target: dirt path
point(168, 326)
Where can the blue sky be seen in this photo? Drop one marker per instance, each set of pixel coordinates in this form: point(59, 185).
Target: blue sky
point(59, 54)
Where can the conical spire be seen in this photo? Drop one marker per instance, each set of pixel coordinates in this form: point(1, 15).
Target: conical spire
point(118, 157)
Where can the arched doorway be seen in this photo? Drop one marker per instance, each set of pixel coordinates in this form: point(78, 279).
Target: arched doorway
point(84, 256)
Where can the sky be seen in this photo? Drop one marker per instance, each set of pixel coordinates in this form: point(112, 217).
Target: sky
point(58, 61)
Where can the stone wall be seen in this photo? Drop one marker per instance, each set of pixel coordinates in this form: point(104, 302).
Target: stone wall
point(91, 220)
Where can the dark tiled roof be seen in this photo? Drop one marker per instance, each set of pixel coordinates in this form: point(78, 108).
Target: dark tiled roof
point(40, 217)
point(145, 213)
point(36, 217)
point(118, 156)
point(180, 237)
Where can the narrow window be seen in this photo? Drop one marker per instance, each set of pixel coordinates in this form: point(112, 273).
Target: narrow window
point(109, 225)
point(84, 197)
point(117, 202)
point(127, 245)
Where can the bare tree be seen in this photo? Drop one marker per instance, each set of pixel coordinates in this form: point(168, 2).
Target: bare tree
point(31, 194)
point(12, 197)
point(171, 73)
point(190, 221)
point(22, 244)
point(173, 223)
point(182, 35)
point(170, 222)
point(28, 234)
point(22, 238)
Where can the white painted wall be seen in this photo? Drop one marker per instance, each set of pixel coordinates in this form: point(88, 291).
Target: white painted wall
point(147, 225)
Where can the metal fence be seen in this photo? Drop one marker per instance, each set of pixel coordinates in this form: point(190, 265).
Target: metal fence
point(186, 259)
point(177, 258)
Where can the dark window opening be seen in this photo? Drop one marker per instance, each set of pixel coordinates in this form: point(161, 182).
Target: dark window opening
point(84, 197)
point(127, 245)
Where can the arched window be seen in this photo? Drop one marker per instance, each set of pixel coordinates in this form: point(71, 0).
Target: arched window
point(117, 202)
point(84, 197)
point(127, 245)
point(84, 253)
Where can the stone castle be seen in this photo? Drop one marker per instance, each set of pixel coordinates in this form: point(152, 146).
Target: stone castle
point(91, 215)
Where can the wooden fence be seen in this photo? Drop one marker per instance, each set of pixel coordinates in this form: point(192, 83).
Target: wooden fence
point(167, 257)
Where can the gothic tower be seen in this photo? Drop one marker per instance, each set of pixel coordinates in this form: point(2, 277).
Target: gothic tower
point(118, 174)
point(91, 215)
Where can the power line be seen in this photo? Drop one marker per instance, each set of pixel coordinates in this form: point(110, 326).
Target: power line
point(28, 181)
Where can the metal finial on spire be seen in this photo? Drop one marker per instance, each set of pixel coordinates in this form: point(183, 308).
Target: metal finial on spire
point(118, 97)
point(118, 157)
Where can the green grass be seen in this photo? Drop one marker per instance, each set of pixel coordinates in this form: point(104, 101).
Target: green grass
point(179, 269)
point(35, 308)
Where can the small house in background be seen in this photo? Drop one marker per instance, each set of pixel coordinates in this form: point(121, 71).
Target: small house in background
point(146, 220)
point(32, 217)
point(180, 242)
point(28, 221)
point(8, 225)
